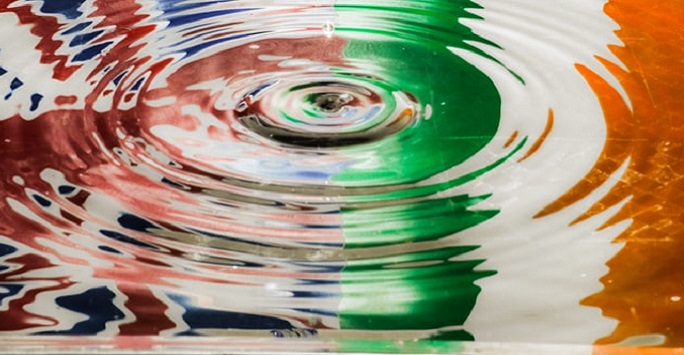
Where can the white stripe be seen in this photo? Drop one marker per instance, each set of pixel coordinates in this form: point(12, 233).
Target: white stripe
point(545, 268)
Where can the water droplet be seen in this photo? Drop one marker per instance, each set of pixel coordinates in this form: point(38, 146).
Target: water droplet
point(428, 111)
point(328, 28)
point(332, 102)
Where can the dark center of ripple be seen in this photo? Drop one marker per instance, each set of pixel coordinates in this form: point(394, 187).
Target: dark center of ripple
point(345, 111)
point(331, 102)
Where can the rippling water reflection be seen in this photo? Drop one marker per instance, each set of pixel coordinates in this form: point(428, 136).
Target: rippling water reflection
point(246, 165)
point(296, 168)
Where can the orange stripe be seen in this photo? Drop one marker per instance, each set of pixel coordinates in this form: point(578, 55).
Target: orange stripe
point(644, 288)
point(615, 152)
point(511, 139)
point(538, 143)
point(610, 350)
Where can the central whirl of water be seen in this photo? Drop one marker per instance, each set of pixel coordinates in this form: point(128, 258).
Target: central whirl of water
point(301, 110)
point(330, 102)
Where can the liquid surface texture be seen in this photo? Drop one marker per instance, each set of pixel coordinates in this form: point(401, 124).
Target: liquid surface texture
point(348, 171)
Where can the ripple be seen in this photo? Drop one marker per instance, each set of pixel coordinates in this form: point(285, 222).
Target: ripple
point(246, 165)
point(318, 113)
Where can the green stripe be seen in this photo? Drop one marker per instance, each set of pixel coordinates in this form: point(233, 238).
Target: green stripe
point(407, 44)
point(375, 346)
point(393, 293)
point(416, 222)
point(464, 101)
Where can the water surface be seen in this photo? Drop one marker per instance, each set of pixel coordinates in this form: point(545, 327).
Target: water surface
point(433, 170)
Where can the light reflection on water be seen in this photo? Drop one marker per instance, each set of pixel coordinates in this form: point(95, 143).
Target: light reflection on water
point(293, 169)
